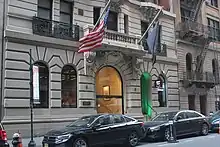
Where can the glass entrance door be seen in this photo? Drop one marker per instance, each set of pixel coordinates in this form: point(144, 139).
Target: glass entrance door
point(109, 98)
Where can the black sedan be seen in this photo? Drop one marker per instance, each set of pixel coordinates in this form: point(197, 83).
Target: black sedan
point(185, 122)
point(96, 130)
point(214, 120)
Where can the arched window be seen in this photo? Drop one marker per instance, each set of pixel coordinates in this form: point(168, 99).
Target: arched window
point(41, 99)
point(69, 87)
point(215, 69)
point(189, 65)
point(162, 91)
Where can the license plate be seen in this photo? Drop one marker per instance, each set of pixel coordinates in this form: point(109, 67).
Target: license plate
point(45, 145)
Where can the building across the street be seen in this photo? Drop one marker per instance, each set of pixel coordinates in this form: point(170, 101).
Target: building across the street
point(198, 34)
point(109, 80)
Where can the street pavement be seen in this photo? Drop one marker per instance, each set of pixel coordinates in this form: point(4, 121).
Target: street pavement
point(211, 140)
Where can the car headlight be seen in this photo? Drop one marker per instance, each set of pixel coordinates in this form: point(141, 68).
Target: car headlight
point(156, 128)
point(63, 138)
point(216, 122)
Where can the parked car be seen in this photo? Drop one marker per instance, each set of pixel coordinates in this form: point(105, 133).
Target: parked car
point(214, 120)
point(3, 137)
point(185, 122)
point(100, 129)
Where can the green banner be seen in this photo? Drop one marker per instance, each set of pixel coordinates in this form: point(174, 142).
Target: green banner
point(146, 94)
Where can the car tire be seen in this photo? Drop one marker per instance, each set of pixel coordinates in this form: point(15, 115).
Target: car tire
point(80, 142)
point(167, 134)
point(204, 129)
point(133, 139)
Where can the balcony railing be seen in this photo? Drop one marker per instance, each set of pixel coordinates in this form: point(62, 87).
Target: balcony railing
point(191, 26)
point(206, 77)
point(55, 29)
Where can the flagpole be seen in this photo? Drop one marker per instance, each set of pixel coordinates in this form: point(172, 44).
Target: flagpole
point(101, 14)
point(158, 13)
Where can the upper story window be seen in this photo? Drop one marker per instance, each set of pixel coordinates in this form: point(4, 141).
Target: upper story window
point(112, 21)
point(144, 26)
point(96, 14)
point(66, 12)
point(126, 24)
point(44, 9)
point(214, 3)
point(214, 29)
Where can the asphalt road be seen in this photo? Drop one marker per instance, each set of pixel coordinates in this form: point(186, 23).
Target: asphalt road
point(211, 140)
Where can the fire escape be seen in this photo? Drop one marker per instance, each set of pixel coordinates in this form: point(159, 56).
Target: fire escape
point(190, 30)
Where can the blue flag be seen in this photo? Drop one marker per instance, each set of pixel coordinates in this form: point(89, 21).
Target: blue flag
point(152, 39)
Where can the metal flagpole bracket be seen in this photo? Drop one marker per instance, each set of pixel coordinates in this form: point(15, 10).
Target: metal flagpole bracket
point(150, 25)
point(101, 14)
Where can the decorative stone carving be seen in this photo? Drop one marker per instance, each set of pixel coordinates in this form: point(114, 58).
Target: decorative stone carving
point(149, 13)
point(109, 57)
point(137, 64)
point(115, 5)
point(90, 58)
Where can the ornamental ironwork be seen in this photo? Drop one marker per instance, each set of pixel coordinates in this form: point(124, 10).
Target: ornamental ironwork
point(55, 29)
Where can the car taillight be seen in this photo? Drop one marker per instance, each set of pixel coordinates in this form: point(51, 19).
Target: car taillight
point(3, 135)
point(142, 124)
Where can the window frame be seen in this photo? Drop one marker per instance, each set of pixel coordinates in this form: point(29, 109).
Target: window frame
point(214, 3)
point(115, 123)
point(97, 120)
point(41, 64)
point(115, 23)
point(69, 67)
point(46, 8)
point(70, 14)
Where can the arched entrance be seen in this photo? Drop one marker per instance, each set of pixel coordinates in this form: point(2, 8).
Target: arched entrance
point(109, 91)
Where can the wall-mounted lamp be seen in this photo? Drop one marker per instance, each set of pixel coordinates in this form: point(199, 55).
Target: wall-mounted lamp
point(106, 90)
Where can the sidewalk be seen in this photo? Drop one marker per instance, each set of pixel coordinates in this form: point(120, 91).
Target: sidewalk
point(25, 141)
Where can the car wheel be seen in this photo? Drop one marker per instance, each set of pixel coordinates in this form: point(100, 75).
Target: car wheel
point(133, 139)
point(80, 142)
point(167, 134)
point(204, 129)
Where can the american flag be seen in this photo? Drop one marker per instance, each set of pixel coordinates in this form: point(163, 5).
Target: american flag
point(94, 38)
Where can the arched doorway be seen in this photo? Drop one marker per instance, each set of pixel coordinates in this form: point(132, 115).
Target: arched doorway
point(109, 91)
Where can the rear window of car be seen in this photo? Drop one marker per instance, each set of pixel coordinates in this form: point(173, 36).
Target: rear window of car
point(1, 127)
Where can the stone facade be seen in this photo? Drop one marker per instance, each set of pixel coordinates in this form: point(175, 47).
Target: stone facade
point(184, 47)
point(128, 58)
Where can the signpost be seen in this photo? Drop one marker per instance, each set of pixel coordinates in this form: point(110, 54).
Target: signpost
point(32, 142)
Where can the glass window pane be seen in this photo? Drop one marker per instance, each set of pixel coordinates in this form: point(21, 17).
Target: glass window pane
point(43, 85)
point(69, 87)
point(118, 119)
point(45, 3)
point(65, 7)
point(44, 13)
point(65, 18)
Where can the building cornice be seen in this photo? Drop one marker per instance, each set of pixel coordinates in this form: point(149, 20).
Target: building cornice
point(149, 4)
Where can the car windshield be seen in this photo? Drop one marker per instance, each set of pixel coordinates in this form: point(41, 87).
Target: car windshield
point(83, 121)
point(164, 116)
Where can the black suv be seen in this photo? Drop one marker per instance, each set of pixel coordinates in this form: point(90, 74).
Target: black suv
point(3, 137)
